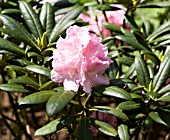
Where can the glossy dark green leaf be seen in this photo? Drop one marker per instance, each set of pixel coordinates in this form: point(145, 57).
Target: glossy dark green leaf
point(47, 85)
point(48, 129)
point(25, 62)
point(128, 105)
point(151, 56)
point(162, 29)
point(55, 125)
point(131, 22)
point(130, 71)
point(16, 30)
point(155, 116)
point(142, 72)
point(64, 23)
point(84, 130)
point(112, 27)
point(24, 80)
point(117, 92)
point(58, 101)
point(10, 11)
point(123, 132)
point(31, 18)
point(165, 89)
point(164, 98)
point(104, 127)
point(17, 68)
point(37, 97)
point(113, 111)
point(47, 18)
point(163, 73)
point(13, 88)
point(131, 40)
point(39, 69)
point(125, 60)
point(11, 47)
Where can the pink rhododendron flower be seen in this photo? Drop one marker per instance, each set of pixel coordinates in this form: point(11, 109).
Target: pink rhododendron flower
point(114, 17)
point(80, 59)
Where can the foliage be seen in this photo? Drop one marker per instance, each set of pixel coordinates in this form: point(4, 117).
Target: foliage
point(139, 92)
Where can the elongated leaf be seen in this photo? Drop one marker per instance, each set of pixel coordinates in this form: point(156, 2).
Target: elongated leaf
point(84, 131)
point(155, 116)
point(142, 72)
point(151, 56)
point(152, 95)
point(48, 129)
point(131, 22)
point(163, 28)
point(24, 80)
point(155, 5)
point(16, 30)
point(128, 105)
point(165, 89)
point(112, 27)
point(10, 11)
point(11, 47)
point(104, 127)
point(58, 101)
point(31, 18)
point(17, 68)
point(47, 18)
point(64, 23)
point(117, 92)
point(55, 125)
point(123, 132)
point(164, 98)
point(125, 60)
point(25, 62)
point(39, 69)
point(113, 111)
point(47, 85)
point(13, 88)
point(163, 73)
point(37, 97)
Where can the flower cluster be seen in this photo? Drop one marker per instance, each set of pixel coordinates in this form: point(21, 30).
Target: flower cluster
point(80, 59)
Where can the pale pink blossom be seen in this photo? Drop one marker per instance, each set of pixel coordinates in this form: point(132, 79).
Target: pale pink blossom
point(80, 59)
point(96, 20)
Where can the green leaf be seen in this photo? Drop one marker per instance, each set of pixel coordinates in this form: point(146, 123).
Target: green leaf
point(152, 95)
point(112, 27)
point(142, 72)
point(125, 60)
point(48, 129)
point(164, 98)
point(17, 68)
point(16, 30)
point(31, 18)
point(131, 22)
point(84, 131)
point(163, 73)
point(128, 105)
point(104, 127)
point(162, 29)
point(13, 88)
point(155, 116)
point(47, 85)
point(165, 89)
point(37, 97)
point(155, 5)
point(151, 56)
point(10, 11)
point(55, 125)
point(24, 80)
point(11, 47)
point(64, 23)
point(47, 18)
point(113, 111)
point(123, 132)
point(39, 69)
point(58, 101)
point(117, 92)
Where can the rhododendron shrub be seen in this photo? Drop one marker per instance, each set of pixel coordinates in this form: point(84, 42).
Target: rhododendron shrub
point(80, 59)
